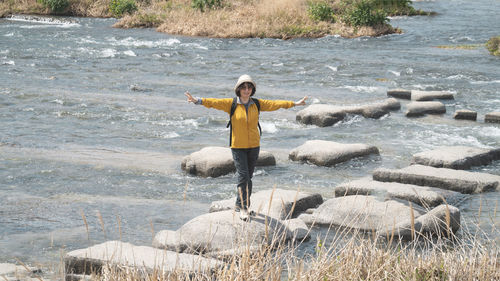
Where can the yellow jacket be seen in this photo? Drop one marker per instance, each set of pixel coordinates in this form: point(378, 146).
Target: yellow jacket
point(245, 131)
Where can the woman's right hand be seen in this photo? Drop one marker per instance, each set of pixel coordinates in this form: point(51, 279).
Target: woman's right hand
point(190, 97)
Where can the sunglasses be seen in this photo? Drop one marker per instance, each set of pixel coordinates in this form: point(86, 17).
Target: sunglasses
point(246, 85)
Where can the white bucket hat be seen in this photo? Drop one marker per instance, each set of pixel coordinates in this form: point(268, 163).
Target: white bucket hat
point(243, 79)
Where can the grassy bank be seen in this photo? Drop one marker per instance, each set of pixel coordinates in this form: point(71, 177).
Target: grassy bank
point(233, 18)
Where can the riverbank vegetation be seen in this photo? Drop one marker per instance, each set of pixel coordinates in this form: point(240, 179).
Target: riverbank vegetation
point(493, 45)
point(348, 255)
point(233, 18)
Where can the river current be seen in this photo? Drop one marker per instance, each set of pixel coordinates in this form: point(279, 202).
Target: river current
point(94, 122)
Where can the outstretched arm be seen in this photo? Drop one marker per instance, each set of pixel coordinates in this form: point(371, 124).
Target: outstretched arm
point(301, 102)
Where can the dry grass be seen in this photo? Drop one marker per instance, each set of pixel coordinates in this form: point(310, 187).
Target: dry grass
point(237, 19)
point(343, 254)
point(283, 19)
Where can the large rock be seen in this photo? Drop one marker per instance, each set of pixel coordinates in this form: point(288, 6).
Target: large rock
point(456, 157)
point(327, 153)
point(283, 203)
point(450, 179)
point(321, 115)
point(430, 95)
point(492, 117)
point(422, 195)
point(464, 114)
point(222, 234)
point(216, 161)
point(9, 271)
point(370, 213)
point(141, 259)
point(399, 93)
point(375, 110)
point(420, 108)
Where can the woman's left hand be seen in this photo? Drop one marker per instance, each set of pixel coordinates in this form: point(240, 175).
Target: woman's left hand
point(301, 102)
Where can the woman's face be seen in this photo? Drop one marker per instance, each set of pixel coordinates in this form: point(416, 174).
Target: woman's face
point(246, 89)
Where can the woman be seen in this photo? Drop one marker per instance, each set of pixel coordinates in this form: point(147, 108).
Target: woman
point(245, 136)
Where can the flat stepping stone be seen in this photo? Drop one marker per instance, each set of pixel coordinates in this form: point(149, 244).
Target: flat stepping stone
point(375, 110)
point(450, 179)
point(328, 153)
point(464, 114)
point(223, 234)
point(423, 195)
point(10, 271)
point(214, 161)
point(457, 157)
point(283, 203)
point(123, 256)
point(492, 117)
point(399, 93)
point(420, 108)
point(323, 115)
point(384, 217)
point(431, 95)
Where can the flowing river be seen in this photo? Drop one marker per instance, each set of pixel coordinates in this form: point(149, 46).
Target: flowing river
point(94, 121)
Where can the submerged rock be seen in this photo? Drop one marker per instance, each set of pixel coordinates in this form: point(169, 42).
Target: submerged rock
point(139, 259)
point(283, 203)
point(422, 195)
point(450, 179)
point(492, 117)
point(214, 161)
point(464, 114)
point(223, 234)
point(420, 108)
point(393, 217)
point(457, 157)
point(327, 153)
point(323, 115)
point(431, 95)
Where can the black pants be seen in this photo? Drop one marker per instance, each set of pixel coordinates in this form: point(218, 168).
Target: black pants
point(245, 160)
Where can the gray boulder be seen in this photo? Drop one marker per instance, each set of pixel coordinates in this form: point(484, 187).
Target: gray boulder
point(422, 195)
point(450, 179)
point(464, 114)
point(456, 157)
point(140, 259)
point(9, 271)
point(327, 153)
point(399, 93)
point(420, 108)
point(375, 110)
point(214, 161)
point(444, 220)
point(492, 117)
point(431, 95)
point(279, 203)
point(223, 233)
point(374, 214)
point(321, 115)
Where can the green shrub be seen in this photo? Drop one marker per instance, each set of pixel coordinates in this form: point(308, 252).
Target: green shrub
point(493, 45)
point(364, 13)
point(395, 7)
point(320, 11)
point(55, 6)
point(202, 5)
point(120, 7)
